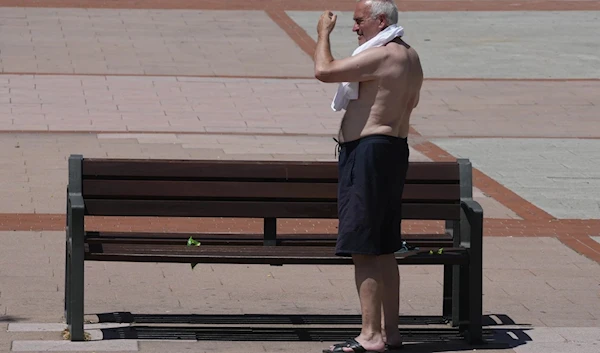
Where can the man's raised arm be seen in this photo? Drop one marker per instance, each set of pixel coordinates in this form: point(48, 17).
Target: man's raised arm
point(362, 67)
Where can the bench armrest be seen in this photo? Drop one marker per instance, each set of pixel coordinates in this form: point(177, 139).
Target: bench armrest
point(472, 224)
point(472, 209)
point(75, 220)
point(76, 201)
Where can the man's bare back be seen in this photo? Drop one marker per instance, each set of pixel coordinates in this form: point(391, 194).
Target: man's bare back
point(385, 104)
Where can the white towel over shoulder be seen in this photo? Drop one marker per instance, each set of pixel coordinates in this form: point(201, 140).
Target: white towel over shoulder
point(349, 90)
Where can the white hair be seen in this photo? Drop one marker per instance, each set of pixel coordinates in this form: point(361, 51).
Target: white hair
point(383, 7)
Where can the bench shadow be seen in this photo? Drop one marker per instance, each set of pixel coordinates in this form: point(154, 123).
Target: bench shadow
point(248, 319)
point(309, 328)
point(9, 318)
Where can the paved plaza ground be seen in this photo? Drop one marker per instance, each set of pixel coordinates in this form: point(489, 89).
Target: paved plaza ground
point(514, 86)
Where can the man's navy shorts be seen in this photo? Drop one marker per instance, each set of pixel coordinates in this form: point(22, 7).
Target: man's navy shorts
point(372, 172)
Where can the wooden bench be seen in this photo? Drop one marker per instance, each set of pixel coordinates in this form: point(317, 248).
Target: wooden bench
point(265, 190)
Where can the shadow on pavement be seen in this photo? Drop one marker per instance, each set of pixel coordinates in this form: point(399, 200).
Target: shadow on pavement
point(500, 331)
point(8, 318)
point(280, 319)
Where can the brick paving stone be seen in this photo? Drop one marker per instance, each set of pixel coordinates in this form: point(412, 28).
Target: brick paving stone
point(590, 334)
point(557, 347)
point(174, 40)
point(480, 46)
point(147, 110)
point(542, 282)
point(211, 346)
point(556, 175)
point(269, 288)
point(468, 109)
point(68, 346)
point(43, 177)
point(437, 5)
point(497, 108)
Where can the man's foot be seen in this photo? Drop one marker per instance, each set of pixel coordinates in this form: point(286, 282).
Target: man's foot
point(353, 346)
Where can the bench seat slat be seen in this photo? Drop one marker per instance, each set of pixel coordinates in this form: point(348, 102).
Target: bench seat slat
point(215, 235)
point(239, 170)
point(161, 189)
point(419, 240)
point(258, 209)
point(253, 254)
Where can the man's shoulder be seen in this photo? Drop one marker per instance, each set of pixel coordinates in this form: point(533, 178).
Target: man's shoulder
point(401, 53)
point(375, 52)
point(400, 46)
point(376, 57)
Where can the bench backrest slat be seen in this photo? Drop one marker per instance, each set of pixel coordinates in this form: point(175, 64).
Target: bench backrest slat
point(215, 170)
point(197, 190)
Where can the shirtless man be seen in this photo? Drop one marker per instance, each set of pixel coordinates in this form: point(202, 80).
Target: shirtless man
point(372, 164)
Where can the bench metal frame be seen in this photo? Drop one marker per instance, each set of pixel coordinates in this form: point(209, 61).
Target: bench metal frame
point(462, 298)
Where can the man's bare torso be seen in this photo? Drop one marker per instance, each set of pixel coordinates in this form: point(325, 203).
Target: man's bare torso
point(384, 105)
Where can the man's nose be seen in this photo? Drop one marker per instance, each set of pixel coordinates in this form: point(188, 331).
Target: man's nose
point(355, 28)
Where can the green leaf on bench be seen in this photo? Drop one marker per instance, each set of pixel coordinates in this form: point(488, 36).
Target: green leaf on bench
point(191, 242)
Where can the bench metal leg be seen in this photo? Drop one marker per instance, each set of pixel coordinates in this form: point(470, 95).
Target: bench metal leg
point(75, 266)
point(476, 287)
point(471, 304)
point(447, 304)
point(456, 295)
point(67, 278)
point(475, 304)
point(471, 281)
point(451, 292)
point(75, 250)
point(270, 231)
point(75, 275)
point(67, 262)
point(464, 299)
point(76, 297)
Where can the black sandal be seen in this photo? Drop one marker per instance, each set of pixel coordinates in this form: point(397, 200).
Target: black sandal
point(352, 344)
point(406, 248)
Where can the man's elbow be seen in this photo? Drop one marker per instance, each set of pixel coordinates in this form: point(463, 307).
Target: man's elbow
point(324, 75)
point(417, 99)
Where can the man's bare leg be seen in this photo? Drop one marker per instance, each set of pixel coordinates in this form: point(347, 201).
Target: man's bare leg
point(390, 299)
point(369, 284)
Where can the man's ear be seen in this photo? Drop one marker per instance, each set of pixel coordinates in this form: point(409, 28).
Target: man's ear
point(382, 22)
